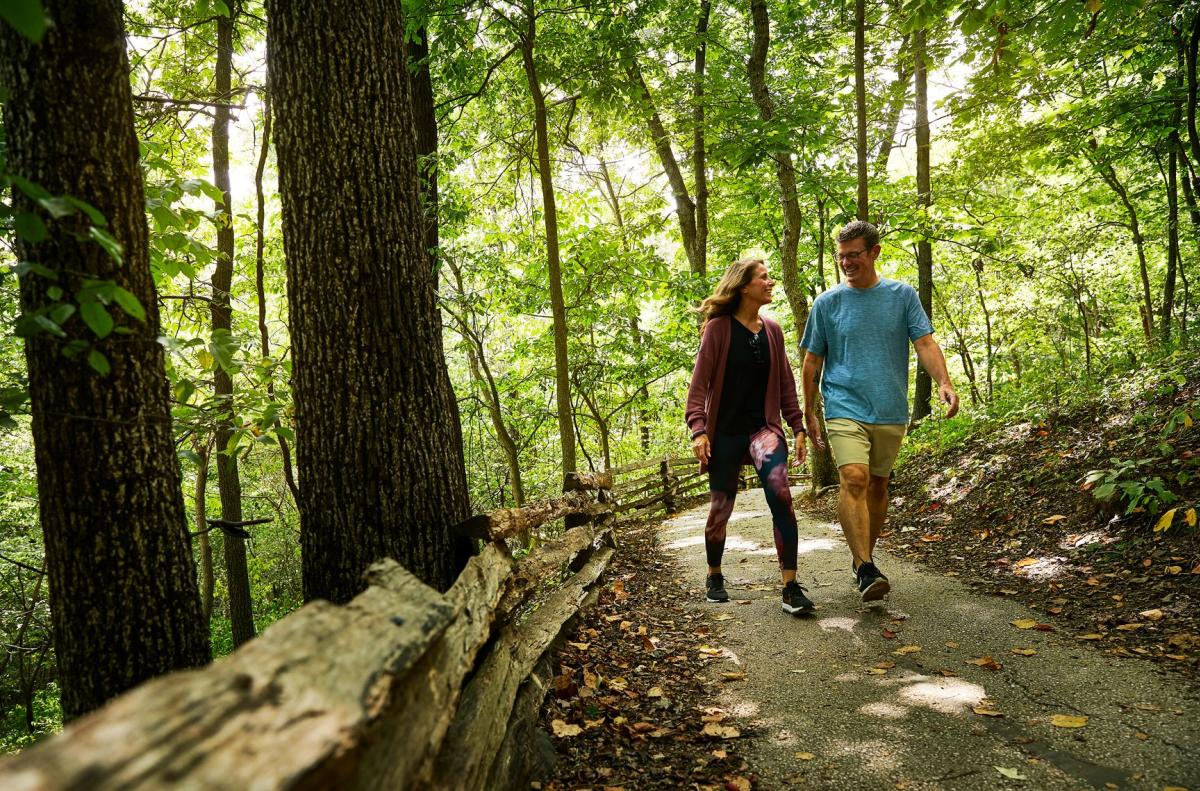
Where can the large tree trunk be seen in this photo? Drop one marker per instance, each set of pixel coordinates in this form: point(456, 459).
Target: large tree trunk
point(229, 482)
point(924, 384)
point(785, 173)
point(699, 156)
point(123, 594)
point(381, 465)
point(860, 101)
point(566, 427)
point(1190, 52)
point(425, 118)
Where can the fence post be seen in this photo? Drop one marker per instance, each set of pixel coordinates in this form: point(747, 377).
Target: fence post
point(668, 486)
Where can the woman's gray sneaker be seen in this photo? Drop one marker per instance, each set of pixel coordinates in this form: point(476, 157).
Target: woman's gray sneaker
point(714, 585)
point(872, 585)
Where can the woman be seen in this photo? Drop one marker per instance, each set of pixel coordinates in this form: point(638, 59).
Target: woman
point(741, 384)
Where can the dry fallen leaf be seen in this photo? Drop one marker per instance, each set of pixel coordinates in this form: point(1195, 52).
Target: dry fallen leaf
point(1153, 615)
point(907, 649)
point(805, 756)
point(884, 665)
point(733, 676)
point(888, 634)
point(1024, 651)
point(985, 662)
point(951, 644)
point(1068, 720)
point(733, 783)
point(655, 692)
point(580, 646)
point(562, 729)
point(984, 711)
point(1025, 562)
point(1053, 520)
point(720, 731)
point(1092, 636)
point(1174, 569)
point(1129, 627)
point(723, 617)
point(1024, 623)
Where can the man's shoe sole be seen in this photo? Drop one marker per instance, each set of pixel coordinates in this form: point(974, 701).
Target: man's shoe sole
point(717, 601)
point(876, 590)
point(795, 610)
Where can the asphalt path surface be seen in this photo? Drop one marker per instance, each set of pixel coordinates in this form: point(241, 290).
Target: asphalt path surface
point(885, 695)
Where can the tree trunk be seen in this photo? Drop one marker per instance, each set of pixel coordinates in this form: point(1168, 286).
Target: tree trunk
point(1190, 61)
point(699, 156)
point(123, 598)
point(860, 101)
point(924, 384)
point(377, 445)
point(241, 617)
point(785, 173)
point(1189, 199)
point(1109, 174)
point(684, 207)
point(558, 309)
point(821, 242)
point(285, 452)
point(987, 324)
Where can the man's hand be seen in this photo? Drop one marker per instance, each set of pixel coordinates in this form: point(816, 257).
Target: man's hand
point(701, 449)
point(801, 450)
point(947, 396)
point(814, 431)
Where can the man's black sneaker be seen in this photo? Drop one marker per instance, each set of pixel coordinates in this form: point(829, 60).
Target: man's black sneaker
point(794, 600)
point(872, 585)
point(714, 585)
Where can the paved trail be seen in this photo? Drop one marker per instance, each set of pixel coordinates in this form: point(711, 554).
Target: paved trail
point(813, 685)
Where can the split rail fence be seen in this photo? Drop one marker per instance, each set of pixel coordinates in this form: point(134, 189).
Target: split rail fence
point(403, 687)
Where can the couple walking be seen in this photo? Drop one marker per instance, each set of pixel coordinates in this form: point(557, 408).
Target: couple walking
point(856, 339)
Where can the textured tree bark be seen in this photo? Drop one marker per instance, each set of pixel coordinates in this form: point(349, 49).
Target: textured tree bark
point(425, 118)
point(860, 101)
point(229, 482)
point(123, 598)
point(924, 384)
point(377, 445)
point(562, 374)
point(200, 516)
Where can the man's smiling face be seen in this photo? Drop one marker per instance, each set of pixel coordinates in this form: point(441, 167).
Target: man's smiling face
point(858, 263)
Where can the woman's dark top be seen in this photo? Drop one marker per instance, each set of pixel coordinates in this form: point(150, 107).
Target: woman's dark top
point(744, 391)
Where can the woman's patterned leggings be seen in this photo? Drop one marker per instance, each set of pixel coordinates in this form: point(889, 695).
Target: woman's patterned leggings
point(768, 452)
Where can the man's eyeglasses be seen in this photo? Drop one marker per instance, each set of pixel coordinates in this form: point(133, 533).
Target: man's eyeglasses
point(756, 351)
point(851, 256)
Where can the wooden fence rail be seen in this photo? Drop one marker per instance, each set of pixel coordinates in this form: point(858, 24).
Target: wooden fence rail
point(403, 687)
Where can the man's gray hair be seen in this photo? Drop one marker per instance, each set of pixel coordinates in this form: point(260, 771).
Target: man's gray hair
point(860, 229)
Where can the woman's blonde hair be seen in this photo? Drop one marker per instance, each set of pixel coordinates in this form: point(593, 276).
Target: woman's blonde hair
point(727, 296)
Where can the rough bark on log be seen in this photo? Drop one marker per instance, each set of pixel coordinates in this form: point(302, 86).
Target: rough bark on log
point(584, 481)
point(507, 522)
point(473, 739)
point(358, 696)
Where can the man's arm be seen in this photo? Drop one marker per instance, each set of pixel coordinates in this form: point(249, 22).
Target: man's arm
point(809, 376)
point(934, 363)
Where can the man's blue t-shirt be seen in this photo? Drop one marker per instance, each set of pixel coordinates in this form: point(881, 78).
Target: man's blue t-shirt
point(863, 334)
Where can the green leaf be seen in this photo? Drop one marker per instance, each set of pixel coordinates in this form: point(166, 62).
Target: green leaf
point(91, 211)
point(54, 292)
point(129, 303)
point(106, 240)
point(58, 207)
point(22, 268)
point(286, 433)
point(30, 227)
point(61, 312)
point(99, 362)
point(26, 17)
point(34, 191)
point(97, 318)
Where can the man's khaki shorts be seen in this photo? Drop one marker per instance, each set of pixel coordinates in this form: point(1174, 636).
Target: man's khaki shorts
point(873, 444)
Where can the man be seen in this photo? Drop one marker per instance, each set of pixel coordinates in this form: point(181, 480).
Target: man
point(858, 332)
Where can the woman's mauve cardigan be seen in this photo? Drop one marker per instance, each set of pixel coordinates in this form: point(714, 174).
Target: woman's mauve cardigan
point(704, 393)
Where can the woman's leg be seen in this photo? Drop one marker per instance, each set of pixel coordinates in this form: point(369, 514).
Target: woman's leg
point(769, 454)
point(724, 464)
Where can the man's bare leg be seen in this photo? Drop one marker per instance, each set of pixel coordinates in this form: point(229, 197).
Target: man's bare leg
point(853, 511)
point(877, 506)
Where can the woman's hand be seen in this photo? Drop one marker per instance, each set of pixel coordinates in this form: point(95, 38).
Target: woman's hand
point(801, 449)
point(701, 449)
